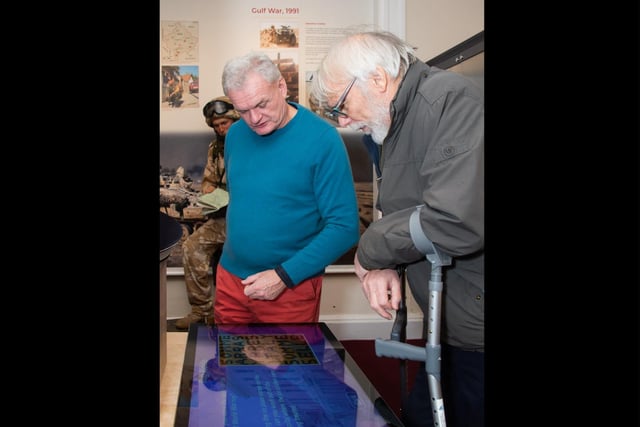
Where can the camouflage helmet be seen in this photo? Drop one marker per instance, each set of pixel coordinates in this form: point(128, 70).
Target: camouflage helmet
point(219, 107)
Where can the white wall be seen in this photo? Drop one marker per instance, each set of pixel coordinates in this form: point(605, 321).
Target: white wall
point(433, 26)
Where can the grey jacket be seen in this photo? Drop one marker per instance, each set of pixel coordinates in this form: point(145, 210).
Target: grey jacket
point(433, 156)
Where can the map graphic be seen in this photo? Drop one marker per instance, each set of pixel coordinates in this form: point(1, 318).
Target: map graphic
point(179, 42)
point(255, 349)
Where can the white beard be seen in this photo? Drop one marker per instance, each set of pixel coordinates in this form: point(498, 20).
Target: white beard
point(379, 133)
point(378, 126)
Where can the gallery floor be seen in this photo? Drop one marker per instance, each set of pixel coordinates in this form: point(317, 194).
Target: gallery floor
point(170, 382)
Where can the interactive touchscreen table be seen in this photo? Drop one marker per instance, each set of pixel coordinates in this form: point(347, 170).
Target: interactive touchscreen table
point(274, 375)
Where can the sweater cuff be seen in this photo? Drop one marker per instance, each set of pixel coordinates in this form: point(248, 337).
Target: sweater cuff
point(284, 277)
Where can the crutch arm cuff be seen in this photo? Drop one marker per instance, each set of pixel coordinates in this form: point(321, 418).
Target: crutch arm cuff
point(422, 242)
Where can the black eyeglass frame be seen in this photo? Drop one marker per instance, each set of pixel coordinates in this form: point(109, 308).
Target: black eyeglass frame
point(335, 112)
point(219, 107)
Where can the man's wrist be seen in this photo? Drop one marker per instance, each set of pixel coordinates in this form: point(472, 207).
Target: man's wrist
point(284, 277)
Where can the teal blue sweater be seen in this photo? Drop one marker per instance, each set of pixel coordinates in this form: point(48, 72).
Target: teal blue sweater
point(292, 202)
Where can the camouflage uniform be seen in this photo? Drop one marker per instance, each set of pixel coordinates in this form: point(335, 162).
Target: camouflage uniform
point(205, 242)
point(199, 248)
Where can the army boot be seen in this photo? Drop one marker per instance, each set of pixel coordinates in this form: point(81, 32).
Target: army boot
point(192, 318)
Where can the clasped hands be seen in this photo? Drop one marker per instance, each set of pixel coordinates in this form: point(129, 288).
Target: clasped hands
point(381, 287)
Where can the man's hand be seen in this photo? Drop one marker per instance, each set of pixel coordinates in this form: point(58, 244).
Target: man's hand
point(381, 287)
point(265, 285)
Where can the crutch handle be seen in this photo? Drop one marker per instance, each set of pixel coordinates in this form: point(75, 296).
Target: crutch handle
point(399, 328)
point(399, 350)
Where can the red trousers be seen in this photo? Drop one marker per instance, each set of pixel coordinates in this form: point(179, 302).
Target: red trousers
point(298, 305)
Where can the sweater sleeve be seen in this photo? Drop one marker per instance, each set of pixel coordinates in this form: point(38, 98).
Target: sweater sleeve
point(338, 209)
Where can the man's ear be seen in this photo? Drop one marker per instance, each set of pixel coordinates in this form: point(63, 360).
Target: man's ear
point(282, 86)
point(379, 80)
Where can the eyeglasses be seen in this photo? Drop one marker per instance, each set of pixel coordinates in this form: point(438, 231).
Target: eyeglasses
point(335, 112)
point(217, 106)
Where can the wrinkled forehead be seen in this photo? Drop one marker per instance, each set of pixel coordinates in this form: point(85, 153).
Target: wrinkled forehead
point(254, 91)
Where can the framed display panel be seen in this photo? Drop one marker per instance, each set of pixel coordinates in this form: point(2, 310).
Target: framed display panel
point(274, 375)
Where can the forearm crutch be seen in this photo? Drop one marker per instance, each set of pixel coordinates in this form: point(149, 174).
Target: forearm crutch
point(431, 355)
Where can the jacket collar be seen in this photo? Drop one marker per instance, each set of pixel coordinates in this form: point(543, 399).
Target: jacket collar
point(406, 92)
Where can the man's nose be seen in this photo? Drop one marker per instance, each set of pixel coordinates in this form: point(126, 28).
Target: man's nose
point(344, 121)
